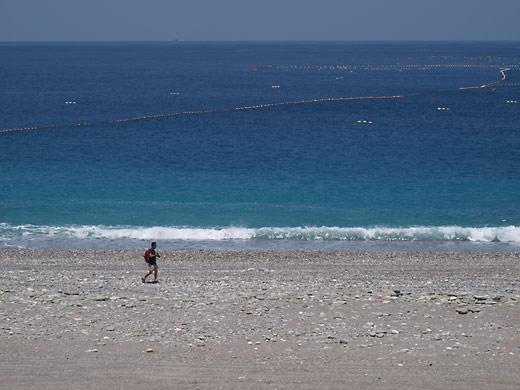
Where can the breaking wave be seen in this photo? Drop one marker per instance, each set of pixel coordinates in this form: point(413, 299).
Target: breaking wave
point(506, 234)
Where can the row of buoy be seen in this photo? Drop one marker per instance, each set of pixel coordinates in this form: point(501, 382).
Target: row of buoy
point(275, 86)
point(234, 109)
point(512, 101)
point(390, 67)
point(260, 106)
point(70, 102)
point(479, 58)
point(365, 122)
point(175, 93)
point(45, 127)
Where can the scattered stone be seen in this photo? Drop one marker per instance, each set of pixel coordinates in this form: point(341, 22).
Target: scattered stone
point(70, 293)
point(317, 308)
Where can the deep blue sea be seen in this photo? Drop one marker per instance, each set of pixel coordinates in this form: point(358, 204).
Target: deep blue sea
point(341, 146)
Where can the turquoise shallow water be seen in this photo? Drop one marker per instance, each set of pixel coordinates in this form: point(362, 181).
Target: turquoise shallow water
point(266, 149)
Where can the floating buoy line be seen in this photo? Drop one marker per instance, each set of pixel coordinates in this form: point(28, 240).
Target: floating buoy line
point(199, 112)
point(243, 108)
point(366, 67)
point(502, 71)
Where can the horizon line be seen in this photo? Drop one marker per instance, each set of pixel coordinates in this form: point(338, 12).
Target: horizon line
point(267, 41)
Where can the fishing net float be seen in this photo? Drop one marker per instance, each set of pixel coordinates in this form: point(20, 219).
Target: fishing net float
point(243, 108)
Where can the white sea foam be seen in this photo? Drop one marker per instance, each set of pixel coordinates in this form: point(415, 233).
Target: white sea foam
point(507, 234)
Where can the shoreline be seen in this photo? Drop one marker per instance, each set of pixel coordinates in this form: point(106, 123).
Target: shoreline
point(280, 246)
point(80, 319)
point(237, 238)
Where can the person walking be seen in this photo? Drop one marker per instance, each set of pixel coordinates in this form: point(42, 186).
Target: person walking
point(151, 256)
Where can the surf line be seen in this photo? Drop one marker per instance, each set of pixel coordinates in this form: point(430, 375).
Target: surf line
point(254, 107)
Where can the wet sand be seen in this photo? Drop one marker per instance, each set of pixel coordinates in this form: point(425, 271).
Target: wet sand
point(259, 320)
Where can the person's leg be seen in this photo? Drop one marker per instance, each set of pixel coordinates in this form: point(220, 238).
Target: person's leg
point(145, 276)
point(155, 275)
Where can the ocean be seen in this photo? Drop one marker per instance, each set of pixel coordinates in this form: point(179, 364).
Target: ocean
point(287, 146)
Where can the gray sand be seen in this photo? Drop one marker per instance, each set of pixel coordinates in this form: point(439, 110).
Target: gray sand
point(260, 320)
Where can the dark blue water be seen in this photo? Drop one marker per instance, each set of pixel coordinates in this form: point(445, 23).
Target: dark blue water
point(436, 169)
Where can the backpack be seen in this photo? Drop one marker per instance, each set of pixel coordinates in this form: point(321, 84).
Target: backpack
point(147, 256)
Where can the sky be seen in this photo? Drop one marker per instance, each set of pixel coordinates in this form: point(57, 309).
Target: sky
point(258, 20)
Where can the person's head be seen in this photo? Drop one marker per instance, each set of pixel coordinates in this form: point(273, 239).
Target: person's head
point(154, 245)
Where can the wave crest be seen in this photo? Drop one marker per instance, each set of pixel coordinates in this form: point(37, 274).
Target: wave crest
point(508, 234)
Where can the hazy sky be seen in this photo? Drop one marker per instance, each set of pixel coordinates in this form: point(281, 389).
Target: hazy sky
point(258, 20)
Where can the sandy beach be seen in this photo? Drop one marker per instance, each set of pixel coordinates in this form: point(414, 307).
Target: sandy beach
point(259, 320)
